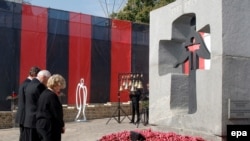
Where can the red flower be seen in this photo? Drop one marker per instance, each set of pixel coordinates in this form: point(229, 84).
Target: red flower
point(150, 136)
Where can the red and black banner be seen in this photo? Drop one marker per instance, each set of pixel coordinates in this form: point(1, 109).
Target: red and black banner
point(72, 44)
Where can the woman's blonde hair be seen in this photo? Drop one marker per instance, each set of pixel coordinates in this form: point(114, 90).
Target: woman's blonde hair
point(56, 80)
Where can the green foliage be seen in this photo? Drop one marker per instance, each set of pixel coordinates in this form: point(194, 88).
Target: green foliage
point(138, 10)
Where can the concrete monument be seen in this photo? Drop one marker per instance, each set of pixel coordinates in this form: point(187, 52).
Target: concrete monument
point(209, 33)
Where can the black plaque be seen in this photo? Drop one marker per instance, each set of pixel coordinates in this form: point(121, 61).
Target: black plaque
point(238, 109)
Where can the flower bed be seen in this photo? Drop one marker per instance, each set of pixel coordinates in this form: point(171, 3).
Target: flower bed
point(148, 135)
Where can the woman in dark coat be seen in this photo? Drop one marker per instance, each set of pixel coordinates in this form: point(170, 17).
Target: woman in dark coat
point(50, 124)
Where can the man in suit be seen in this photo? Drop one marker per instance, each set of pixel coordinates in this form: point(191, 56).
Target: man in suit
point(21, 99)
point(33, 91)
point(135, 98)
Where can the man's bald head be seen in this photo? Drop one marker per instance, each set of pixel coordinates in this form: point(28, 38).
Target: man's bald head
point(43, 76)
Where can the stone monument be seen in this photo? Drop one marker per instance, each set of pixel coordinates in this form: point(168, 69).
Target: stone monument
point(211, 37)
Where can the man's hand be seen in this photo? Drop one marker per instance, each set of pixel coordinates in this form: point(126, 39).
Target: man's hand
point(63, 130)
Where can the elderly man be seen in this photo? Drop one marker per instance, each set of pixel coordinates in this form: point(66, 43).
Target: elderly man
point(33, 92)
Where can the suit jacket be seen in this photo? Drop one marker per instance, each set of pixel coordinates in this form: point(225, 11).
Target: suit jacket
point(135, 96)
point(21, 102)
point(33, 92)
point(50, 114)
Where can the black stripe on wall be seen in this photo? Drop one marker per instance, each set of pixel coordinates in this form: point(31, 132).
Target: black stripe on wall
point(10, 35)
point(100, 60)
point(58, 45)
point(140, 50)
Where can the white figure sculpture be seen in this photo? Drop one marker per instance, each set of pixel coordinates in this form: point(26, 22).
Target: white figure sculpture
point(81, 99)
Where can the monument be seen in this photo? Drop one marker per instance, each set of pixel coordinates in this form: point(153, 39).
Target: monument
point(81, 100)
point(199, 64)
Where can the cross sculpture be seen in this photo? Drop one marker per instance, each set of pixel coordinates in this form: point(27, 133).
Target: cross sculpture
point(193, 48)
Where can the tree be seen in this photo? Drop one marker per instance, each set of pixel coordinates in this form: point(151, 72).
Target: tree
point(138, 10)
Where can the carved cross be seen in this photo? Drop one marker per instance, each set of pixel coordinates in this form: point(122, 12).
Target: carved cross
point(193, 48)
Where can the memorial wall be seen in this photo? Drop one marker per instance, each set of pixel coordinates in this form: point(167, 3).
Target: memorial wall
point(185, 96)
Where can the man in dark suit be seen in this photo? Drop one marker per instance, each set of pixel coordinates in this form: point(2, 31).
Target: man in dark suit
point(135, 98)
point(21, 99)
point(32, 94)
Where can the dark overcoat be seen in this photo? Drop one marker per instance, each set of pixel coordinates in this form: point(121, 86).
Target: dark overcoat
point(21, 102)
point(49, 116)
point(32, 94)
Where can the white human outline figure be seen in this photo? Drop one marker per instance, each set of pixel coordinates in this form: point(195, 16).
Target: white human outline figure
point(81, 97)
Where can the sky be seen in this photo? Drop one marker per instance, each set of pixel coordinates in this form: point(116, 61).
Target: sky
point(90, 7)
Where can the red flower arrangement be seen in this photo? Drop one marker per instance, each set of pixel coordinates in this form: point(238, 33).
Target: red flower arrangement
point(149, 135)
point(12, 96)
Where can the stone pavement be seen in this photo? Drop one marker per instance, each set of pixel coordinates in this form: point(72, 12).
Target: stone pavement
point(90, 130)
point(93, 130)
